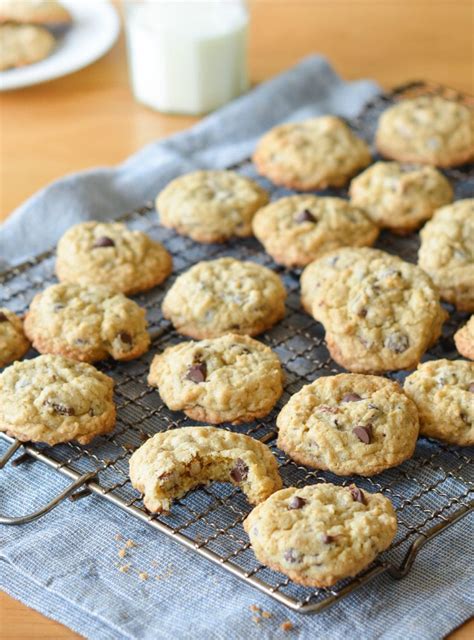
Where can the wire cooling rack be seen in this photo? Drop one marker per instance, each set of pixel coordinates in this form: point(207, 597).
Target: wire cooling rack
point(430, 492)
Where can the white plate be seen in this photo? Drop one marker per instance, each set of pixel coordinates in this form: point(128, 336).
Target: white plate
point(95, 29)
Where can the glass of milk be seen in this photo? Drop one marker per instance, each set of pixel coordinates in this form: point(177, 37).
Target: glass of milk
point(187, 56)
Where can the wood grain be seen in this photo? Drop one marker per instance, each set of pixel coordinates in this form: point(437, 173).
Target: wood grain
point(89, 118)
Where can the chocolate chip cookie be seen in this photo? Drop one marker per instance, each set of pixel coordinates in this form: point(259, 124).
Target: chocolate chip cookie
point(48, 12)
point(321, 533)
point(400, 197)
point(313, 154)
point(443, 391)
point(464, 339)
point(326, 267)
point(109, 253)
point(22, 44)
point(380, 313)
point(429, 130)
point(349, 424)
point(447, 252)
point(225, 296)
point(228, 379)
point(299, 229)
point(211, 206)
point(13, 342)
point(86, 323)
point(54, 399)
point(170, 464)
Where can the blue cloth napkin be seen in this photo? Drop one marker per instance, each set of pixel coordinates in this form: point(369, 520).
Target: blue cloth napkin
point(66, 564)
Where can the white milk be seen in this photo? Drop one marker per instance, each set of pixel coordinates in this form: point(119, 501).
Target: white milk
point(187, 56)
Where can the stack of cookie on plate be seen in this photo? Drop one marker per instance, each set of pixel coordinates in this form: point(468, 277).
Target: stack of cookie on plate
point(28, 30)
point(380, 314)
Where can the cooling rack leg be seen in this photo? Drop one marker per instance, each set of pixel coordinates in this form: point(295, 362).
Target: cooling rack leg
point(53, 503)
point(12, 449)
point(404, 569)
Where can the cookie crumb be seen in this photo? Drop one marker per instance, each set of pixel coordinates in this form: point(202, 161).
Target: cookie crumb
point(254, 607)
point(143, 575)
point(265, 614)
point(130, 544)
point(124, 568)
point(256, 619)
point(122, 553)
point(118, 536)
point(286, 626)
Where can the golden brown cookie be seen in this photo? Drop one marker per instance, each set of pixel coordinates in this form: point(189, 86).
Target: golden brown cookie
point(211, 206)
point(87, 323)
point(464, 339)
point(400, 197)
point(48, 12)
point(443, 391)
point(13, 342)
point(313, 154)
point(316, 272)
point(110, 254)
point(172, 463)
point(298, 229)
point(228, 379)
point(225, 296)
point(349, 424)
point(22, 44)
point(380, 313)
point(428, 130)
point(447, 252)
point(54, 399)
point(322, 533)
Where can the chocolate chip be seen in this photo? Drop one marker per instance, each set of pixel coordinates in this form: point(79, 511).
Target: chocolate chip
point(296, 502)
point(363, 433)
point(291, 555)
point(351, 397)
point(125, 337)
point(197, 372)
point(357, 494)
point(240, 472)
point(471, 387)
point(62, 409)
point(397, 342)
point(305, 216)
point(3, 317)
point(362, 313)
point(103, 241)
point(328, 539)
point(244, 351)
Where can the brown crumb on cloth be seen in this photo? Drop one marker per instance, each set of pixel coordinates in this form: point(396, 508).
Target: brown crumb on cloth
point(260, 613)
point(286, 626)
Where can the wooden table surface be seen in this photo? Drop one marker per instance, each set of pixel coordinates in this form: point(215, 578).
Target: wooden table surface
point(89, 118)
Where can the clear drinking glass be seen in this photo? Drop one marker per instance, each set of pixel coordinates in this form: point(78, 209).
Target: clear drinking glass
point(187, 56)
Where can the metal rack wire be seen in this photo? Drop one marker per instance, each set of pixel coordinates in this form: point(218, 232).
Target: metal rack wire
point(430, 492)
